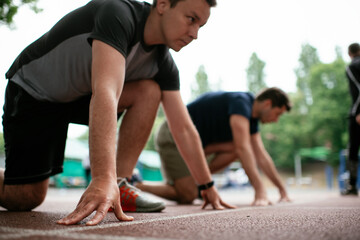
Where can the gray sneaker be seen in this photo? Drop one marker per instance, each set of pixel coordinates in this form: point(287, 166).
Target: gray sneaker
point(132, 199)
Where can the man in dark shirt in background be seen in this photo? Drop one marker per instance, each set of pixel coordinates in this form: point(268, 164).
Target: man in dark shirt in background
point(353, 75)
point(228, 126)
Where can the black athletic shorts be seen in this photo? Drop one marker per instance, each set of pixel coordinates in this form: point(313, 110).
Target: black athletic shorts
point(35, 134)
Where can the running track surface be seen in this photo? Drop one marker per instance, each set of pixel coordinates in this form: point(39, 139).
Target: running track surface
point(314, 214)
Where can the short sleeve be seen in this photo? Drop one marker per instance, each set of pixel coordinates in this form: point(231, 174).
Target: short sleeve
point(114, 24)
point(168, 74)
point(240, 105)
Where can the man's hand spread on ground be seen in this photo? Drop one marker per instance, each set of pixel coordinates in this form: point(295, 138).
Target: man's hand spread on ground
point(284, 197)
point(99, 197)
point(212, 197)
point(261, 199)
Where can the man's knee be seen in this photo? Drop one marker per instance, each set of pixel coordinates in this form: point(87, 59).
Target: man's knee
point(186, 190)
point(149, 89)
point(187, 197)
point(142, 94)
point(23, 197)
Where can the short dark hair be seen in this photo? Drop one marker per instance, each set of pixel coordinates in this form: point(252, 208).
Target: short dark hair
point(212, 3)
point(277, 96)
point(354, 48)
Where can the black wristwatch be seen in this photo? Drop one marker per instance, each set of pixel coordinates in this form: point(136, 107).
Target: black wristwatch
point(206, 186)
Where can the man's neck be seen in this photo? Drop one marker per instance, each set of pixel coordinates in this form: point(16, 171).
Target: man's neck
point(254, 111)
point(152, 32)
point(354, 55)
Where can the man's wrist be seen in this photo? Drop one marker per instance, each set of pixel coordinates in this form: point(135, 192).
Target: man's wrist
point(205, 186)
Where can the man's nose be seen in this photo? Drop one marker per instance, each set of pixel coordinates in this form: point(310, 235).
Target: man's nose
point(194, 32)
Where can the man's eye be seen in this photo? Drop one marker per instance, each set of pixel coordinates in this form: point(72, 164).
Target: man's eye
point(191, 19)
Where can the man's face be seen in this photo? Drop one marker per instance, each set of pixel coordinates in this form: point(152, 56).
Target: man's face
point(271, 114)
point(180, 24)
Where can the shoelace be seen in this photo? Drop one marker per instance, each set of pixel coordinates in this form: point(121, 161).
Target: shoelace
point(128, 195)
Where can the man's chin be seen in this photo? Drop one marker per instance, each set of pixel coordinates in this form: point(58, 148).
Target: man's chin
point(177, 48)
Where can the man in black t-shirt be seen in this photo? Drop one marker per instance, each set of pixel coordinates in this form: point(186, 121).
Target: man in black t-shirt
point(96, 62)
point(353, 75)
point(228, 126)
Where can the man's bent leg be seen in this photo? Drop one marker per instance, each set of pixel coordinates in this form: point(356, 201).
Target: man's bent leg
point(186, 190)
point(141, 101)
point(163, 190)
point(23, 197)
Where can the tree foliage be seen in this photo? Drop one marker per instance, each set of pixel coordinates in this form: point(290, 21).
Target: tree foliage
point(331, 101)
point(9, 8)
point(308, 58)
point(202, 84)
point(255, 74)
point(2, 145)
point(318, 116)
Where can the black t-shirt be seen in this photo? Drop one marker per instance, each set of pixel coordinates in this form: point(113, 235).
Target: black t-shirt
point(211, 114)
point(353, 74)
point(57, 66)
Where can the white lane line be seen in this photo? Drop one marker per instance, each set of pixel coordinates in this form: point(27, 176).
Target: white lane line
point(72, 235)
point(16, 233)
point(71, 231)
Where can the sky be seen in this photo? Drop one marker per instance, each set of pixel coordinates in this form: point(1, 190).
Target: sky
point(274, 29)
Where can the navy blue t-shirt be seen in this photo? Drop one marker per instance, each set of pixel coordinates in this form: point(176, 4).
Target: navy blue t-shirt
point(211, 114)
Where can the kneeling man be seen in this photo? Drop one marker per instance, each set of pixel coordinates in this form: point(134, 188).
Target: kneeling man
point(228, 126)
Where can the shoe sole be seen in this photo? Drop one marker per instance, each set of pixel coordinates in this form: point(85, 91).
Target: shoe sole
point(144, 210)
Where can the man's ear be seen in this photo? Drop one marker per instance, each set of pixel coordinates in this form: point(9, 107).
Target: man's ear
point(162, 6)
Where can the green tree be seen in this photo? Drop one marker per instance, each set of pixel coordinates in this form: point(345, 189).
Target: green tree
point(308, 58)
point(293, 131)
point(9, 8)
point(318, 116)
point(2, 145)
point(331, 101)
point(255, 74)
point(201, 85)
point(283, 139)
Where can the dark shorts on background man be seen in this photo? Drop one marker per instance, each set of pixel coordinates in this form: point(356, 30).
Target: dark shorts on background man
point(35, 134)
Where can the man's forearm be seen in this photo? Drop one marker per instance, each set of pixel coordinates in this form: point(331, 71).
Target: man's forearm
point(102, 139)
point(190, 147)
point(268, 167)
point(248, 163)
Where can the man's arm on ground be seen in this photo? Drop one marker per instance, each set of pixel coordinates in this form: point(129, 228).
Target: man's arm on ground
point(266, 164)
point(241, 134)
point(108, 68)
point(224, 155)
point(189, 144)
